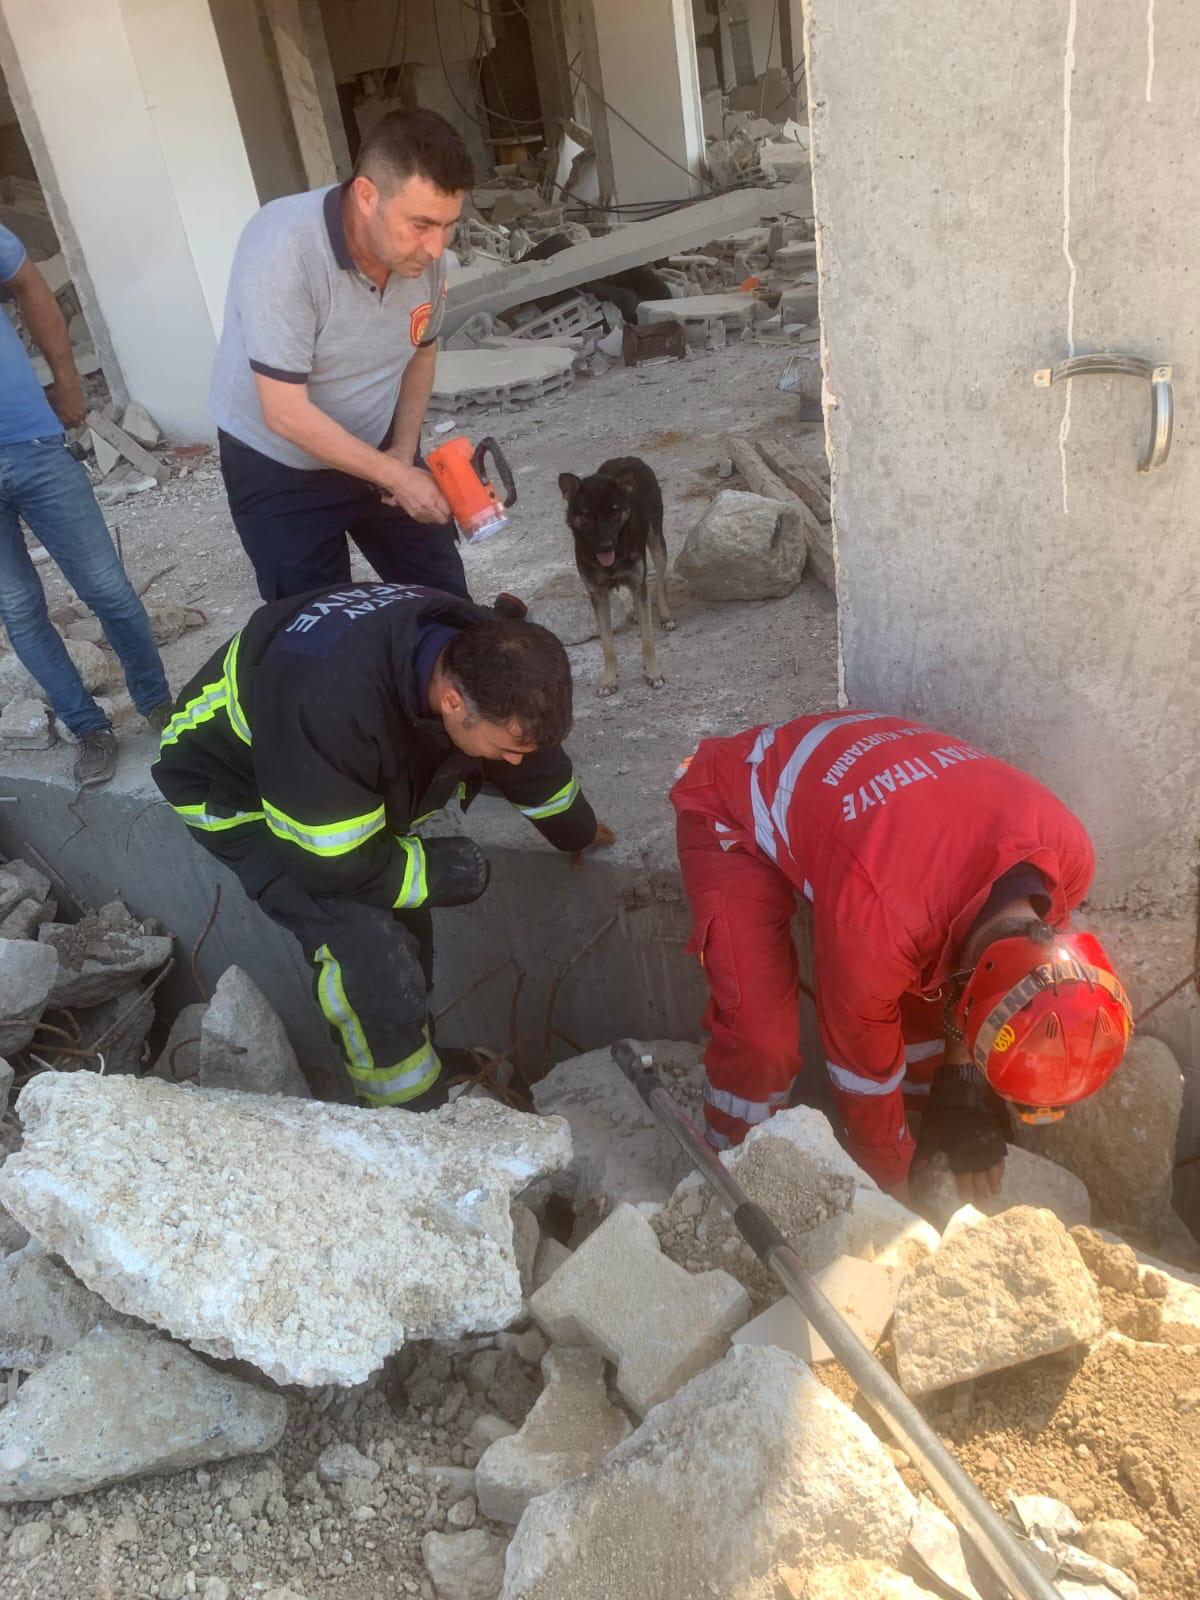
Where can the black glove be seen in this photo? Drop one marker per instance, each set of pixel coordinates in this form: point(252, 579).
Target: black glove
point(456, 871)
point(963, 1120)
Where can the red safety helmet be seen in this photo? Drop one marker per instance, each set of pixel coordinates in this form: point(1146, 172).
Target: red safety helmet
point(1045, 1019)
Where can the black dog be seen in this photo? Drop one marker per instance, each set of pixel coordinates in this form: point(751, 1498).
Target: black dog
point(615, 516)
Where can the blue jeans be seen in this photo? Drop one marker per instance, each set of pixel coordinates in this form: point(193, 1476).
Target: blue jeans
point(41, 481)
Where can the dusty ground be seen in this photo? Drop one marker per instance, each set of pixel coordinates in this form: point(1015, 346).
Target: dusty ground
point(727, 665)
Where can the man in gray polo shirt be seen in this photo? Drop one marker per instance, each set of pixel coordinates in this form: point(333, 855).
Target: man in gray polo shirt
point(326, 365)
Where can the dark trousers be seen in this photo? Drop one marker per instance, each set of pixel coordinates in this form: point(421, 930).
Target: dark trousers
point(372, 970)
point(294, 525)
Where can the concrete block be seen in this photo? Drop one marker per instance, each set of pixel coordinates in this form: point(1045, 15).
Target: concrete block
point(885, 1232)
point(28, 973)
point(121, 1170)
point(1025, 1269)
point(751, 1471)
point(697, 313)
point(243, 1044)
point(105, 428)
point(527, 1236)
point(468, 379)
point(26, 725)
point(569, 1431)
point(619, 1151)
point(92, 665)
point(44, 1310)
point(97, 964)
point(864, 1293)
point(107, 455)
point(745, 547)
point(73, 1428)
point(140, 425)
point(179, 1061)
point(1121, 1141)
point(551, 1255)
point(1029, 1180)
point(659, 1324)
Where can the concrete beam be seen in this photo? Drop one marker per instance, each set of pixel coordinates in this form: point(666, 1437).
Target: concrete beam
point(630, 246)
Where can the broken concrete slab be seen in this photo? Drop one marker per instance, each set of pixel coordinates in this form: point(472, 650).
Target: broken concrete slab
point(115, 1170)
point(179, 1061)
point(1029, 1180)
point(25, 918)
point(91, 664)
point(1025, 1269)
point(28, 974)
point(659, 1324)
point(476, 379)
point(551, 1255)
point(527, 1237)
point(744, 547)
point(23, 882)
point(244, 1045)
point(97, 964)
point(620, 1152)
point(750, 1471)
point(630, 246)
point(6, 1083)
point(73, 1428)
point(569, 1431)
point(44, 1310)
point(26, 725)
point(936, 1546)
point(861, 1580)
point(864, 1293)
point(133, 452)
point(809, 1201)
point(885, 1232)
point(107, 455)
point(140, 425)
point(1121, 1140)
point(696, 313)
point(120, 1027)
point(465, 1566)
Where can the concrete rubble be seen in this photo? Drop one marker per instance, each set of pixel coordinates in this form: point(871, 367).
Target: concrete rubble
point(122, 1403)
point(28, 973)
point(120, 1169)
point(751, 1471)
point(243, 1044)
point(1121, 1141)
point(26, 725)
point(620, 1152)
point(744, 547)
point(96, 963)
point(865, 1295)
point(44, 1310)
point(1000, 1292)
point(465, 1566)
point(179, 1059)
point(569, 1431)
point(92, 664)
point(656, 1322)
point(861, 1580)
point(1029, 1180)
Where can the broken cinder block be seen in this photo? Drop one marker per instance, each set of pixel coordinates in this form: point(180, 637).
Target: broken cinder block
point(658, 1323)
point(105, 428)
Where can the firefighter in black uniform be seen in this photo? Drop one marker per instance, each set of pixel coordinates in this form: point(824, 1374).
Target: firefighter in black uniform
point(307, 751)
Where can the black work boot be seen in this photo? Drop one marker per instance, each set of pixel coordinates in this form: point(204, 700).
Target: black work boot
point(159, 716)
point(96, 758)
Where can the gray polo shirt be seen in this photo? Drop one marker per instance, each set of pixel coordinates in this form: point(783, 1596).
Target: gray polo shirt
point(299, 310)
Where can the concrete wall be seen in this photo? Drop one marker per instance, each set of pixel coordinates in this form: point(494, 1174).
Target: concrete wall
point(996, 187)
point(646, 57)
point(256, 83)
point(127, 111)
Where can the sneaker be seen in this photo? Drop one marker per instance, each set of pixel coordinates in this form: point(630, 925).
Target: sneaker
point(96, 760)
point(159, 716)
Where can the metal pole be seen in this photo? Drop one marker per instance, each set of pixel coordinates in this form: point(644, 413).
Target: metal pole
point(1002, 1551)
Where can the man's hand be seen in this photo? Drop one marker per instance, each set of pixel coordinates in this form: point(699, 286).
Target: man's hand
point(414, 490)
point(66, 397)
point(976, 1187)
point(961, 1121)
point(604, 837)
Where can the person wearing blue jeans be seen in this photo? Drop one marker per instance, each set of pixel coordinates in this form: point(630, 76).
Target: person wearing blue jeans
point(42, 483)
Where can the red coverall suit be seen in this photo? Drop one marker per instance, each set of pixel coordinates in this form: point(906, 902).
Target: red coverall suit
point(895, 834)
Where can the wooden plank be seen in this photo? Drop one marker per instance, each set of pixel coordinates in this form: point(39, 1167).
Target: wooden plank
point(762, 480)
point(781, 457)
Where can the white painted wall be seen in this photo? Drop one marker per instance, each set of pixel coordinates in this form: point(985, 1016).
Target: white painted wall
point(649, 73)
point(127, 109)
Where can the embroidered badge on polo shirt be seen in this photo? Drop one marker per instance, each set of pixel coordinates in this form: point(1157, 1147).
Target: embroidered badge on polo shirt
point(418, 323)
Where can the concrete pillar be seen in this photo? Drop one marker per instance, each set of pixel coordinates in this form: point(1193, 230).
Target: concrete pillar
point(127, 111)
point(1003, 569)
point(645, 55)
point(309, 89)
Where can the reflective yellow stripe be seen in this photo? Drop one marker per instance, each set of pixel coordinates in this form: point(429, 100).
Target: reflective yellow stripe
point(234, 706)
point(201, 817)
point(324, 838)
point(556, 805)
point(379, 1086)
point(201, 708)
point(414, 891)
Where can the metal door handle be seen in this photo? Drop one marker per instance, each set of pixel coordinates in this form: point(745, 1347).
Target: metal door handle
point(1108, 364)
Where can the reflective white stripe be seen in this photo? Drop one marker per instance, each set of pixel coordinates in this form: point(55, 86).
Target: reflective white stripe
point(752, 1111)
point(722, 827)
point(859, 1083)
point(763, 831)
point(924, 1052)
point(408, 1079)
point(917, 1089)
point(719, 1141)
point(808, 890)
point(799, 756)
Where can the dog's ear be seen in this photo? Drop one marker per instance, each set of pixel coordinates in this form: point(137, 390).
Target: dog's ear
point(567, 483)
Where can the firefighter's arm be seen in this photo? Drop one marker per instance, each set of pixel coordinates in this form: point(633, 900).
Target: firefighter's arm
point(545, 789)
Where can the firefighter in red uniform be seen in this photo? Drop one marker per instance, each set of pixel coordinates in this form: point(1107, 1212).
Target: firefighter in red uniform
point(941, 883)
